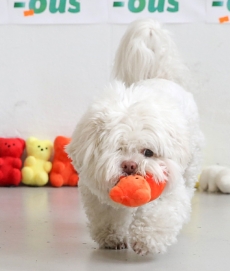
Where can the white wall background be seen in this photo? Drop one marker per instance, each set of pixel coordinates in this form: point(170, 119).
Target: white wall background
point(49, 75)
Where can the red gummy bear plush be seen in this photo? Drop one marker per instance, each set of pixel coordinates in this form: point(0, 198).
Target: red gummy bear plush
point(62, 172)
point(11, 150)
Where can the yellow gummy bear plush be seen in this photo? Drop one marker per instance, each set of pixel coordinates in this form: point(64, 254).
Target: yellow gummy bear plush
point(37, 165)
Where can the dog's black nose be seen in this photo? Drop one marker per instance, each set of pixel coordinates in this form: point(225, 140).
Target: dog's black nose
point(129, 167)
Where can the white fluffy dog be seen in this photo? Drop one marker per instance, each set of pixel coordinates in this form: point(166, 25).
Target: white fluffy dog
point(146, 123)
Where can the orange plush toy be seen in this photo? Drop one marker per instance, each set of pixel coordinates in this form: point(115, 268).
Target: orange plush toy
point(135, 190)
point(62, 172)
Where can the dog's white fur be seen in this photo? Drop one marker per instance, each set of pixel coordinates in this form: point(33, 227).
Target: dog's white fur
point(145, 108)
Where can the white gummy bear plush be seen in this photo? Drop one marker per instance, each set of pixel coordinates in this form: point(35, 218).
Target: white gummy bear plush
point(215, 179)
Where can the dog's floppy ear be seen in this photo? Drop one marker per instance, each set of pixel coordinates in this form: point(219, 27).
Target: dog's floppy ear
point(83, 142)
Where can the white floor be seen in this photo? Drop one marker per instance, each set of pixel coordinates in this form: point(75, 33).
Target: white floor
point(45, 229)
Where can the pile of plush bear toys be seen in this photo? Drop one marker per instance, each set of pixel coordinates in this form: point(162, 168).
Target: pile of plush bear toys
point(37, 169)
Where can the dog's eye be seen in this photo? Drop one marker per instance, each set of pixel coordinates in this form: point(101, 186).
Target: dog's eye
point(148, 153)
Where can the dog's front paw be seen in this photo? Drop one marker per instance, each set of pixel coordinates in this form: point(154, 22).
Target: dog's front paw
point(116, 246)
point(140, 248)
point(147, 244)
point(113, 241)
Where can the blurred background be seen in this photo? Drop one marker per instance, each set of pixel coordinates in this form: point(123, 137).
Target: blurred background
point(49, 74)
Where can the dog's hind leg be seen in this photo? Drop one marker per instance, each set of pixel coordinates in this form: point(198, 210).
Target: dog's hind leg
point(108, 226)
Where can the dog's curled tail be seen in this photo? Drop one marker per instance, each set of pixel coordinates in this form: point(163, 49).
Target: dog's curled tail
point(147, 51)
